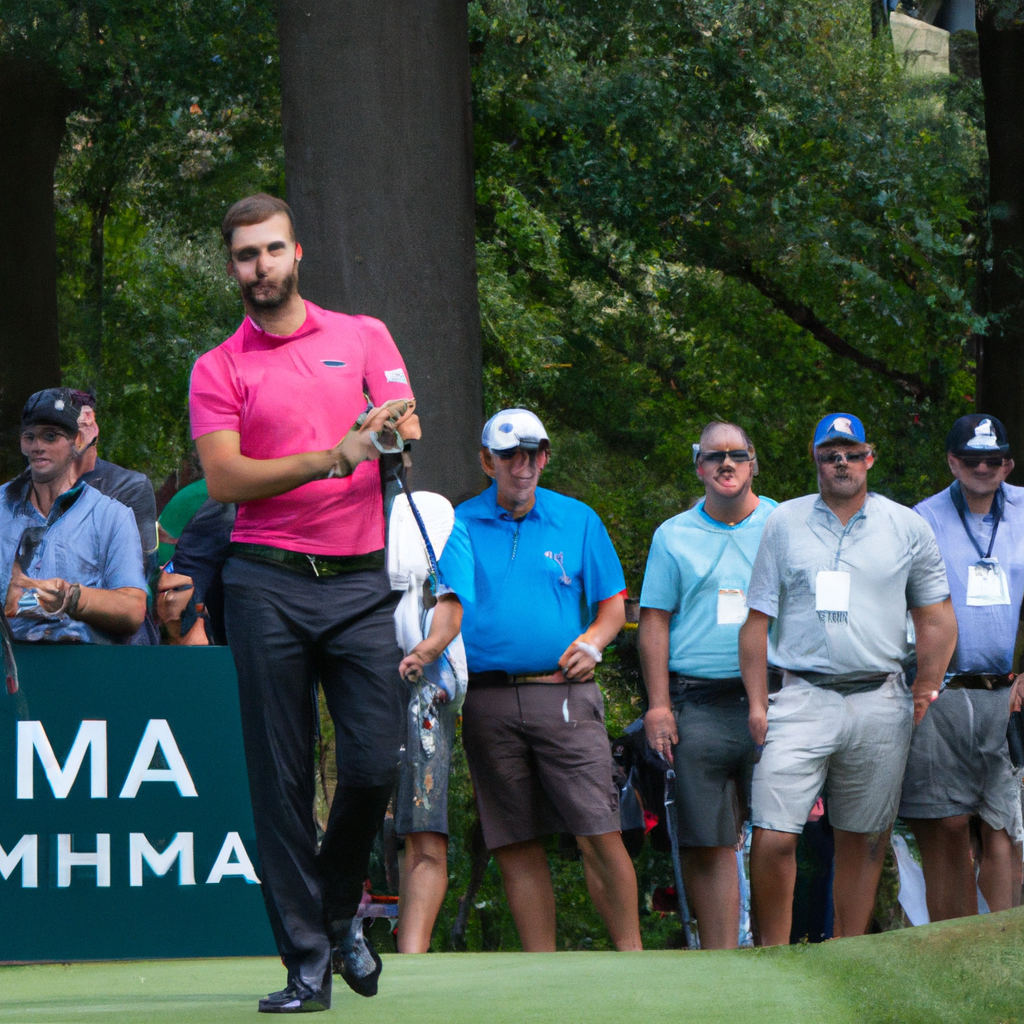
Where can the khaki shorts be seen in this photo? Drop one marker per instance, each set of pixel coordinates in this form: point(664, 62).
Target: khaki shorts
point(540, 760)
point(959, 761)
point(854, 748)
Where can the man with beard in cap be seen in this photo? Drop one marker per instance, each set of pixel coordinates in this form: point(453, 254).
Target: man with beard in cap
point(959, 764)
point(835, 576)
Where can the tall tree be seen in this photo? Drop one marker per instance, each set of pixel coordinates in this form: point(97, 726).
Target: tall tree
point(33, 108)
point(128, 70)
point(1001, 376)
point(375, 110)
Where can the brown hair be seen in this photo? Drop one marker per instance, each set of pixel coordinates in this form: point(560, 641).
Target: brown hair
point(254, 209)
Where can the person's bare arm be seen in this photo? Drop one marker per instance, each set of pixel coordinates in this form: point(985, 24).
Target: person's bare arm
point(444, 627)
point(754, 669)
point(119, 611)
point(659, 721)
point(935, 630)
point(232, 477)
point(576, 663)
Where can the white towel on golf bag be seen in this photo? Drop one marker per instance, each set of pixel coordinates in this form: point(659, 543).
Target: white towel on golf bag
point(409, 569)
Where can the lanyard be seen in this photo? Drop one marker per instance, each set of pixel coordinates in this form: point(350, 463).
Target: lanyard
point(435, 572)
point(996, 511)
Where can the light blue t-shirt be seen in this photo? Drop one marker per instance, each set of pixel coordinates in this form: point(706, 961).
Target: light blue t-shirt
point(693, 560)
point(89, 539)
point(986, 634)
point(538, 580)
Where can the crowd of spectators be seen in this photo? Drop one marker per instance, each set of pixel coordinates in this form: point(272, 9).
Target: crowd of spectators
point(788, 652)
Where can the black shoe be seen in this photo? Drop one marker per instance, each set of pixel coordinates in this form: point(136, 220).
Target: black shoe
point(357, 962)
point(296, 998)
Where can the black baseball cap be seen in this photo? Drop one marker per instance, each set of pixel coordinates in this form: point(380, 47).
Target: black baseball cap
point(55, 407)
point(977, 434)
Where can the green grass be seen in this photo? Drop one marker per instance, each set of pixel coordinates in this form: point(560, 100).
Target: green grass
point(965, 972)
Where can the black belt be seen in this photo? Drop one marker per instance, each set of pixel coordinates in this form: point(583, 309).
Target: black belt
point(978, 681)
point(494, 678)
point(320, 566)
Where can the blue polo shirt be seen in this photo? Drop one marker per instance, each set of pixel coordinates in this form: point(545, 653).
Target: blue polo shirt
point(90, 539)
point(985, 634)
point(693, 559)
point(456, 563)
point(538, 580)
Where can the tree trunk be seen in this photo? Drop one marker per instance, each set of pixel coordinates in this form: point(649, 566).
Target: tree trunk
point(1001, 362)
point(33, 107)
point(378, 161)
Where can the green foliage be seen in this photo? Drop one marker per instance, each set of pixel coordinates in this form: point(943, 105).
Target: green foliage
point(708, 210)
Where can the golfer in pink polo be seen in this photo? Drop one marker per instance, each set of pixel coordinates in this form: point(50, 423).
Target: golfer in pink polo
point(276, 413)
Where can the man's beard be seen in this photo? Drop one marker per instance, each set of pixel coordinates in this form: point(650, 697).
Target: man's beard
point(276, 299)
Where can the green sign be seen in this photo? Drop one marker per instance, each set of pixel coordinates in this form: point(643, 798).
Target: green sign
point(125, 824)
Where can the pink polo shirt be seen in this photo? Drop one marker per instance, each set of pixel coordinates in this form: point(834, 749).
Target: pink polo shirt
point(302, 393)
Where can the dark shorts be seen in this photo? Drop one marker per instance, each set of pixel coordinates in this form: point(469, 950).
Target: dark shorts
point(713, 762)
point(959, 762)
point(540, 760)
point(421, 803)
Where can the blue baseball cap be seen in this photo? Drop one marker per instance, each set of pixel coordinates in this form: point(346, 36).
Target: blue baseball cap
point(839, 426)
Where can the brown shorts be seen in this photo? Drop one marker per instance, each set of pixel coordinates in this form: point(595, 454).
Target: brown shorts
point(540, 760)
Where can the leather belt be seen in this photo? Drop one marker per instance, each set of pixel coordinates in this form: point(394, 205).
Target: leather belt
point(483, 680)
point(319, 566)
point(978, 681)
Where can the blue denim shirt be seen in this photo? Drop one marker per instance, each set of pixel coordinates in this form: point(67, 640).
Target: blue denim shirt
point(90, 539)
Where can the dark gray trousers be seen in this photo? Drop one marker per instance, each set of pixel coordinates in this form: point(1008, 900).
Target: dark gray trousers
point(287, 632)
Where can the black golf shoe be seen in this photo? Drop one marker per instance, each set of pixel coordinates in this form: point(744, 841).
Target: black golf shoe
point(357, 961)
point(297, 998)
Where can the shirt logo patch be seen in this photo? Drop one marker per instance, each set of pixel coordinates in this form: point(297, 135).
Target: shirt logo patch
point(396, 376)
point(332, 362)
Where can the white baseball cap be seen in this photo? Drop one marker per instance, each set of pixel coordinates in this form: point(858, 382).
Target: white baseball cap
point(514, 428)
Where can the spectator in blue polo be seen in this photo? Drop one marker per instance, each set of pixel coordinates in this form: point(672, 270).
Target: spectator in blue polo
point(549, 597)
point(691, 609)
point(70, 557)
point(835, 576)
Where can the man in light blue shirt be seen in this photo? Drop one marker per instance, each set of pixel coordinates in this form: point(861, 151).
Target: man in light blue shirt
point(959, 764)
point(70, 557)
point(548, 599)
point(691, 608)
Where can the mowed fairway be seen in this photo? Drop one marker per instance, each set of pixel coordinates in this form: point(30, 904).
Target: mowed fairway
point(970, 972)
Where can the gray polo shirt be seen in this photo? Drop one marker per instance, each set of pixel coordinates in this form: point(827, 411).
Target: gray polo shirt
point(893, 564)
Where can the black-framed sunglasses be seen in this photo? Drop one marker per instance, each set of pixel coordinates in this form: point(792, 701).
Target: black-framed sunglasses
point(718, 458)
point(510, 453)
point(834, 458)
point(974, 461)
point(48, 436)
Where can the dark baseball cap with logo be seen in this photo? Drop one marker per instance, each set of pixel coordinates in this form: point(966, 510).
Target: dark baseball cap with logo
point(56, 407)
point(977, 434)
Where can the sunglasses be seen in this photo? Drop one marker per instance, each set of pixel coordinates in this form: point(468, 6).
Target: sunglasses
point(510, 453)
point(718, 458)
point(834, 458)
point(47, 436)
point(974, 461)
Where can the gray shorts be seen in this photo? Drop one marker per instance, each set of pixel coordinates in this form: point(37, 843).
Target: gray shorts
point(713, 762)
point(421, 801)
point(540, 760)
point(959, 762)
point(854, 748)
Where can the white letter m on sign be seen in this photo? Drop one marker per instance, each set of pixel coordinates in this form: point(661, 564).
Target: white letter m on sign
point(92, 736)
